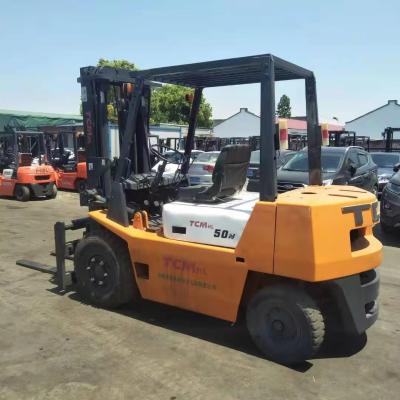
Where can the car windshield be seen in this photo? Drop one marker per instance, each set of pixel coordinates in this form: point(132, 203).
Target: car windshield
point(329, 162)
point(207, 157)
point(255, 157)
point(385, 160)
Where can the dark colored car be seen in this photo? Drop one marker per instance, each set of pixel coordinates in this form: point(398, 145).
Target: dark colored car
point(390, 203)
point(385, 163)
point(340, 166)
point(253, 173)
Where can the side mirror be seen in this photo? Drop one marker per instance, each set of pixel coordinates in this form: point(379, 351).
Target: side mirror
point(396, 167)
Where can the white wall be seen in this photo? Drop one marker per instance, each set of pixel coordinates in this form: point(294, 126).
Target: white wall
point(242, 124)
point(374, 124)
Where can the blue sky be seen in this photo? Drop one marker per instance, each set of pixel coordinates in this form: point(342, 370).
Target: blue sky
point(353, 47)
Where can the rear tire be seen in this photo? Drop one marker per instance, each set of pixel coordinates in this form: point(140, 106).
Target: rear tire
point(53, 193)
point(285, 323)
point(103, 270)
point(80, 185)
point(22, 193)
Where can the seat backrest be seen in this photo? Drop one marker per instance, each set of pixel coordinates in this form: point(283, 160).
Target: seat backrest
point(25, 159)
point(230, 172)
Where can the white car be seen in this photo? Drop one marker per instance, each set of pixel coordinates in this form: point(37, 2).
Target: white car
point(174, 161)
point(200, 172)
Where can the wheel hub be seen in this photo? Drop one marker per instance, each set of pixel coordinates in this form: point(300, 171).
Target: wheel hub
point(97, 270)
point(278, 325)
point(281, 325)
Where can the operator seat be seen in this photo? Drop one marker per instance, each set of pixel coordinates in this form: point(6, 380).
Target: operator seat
point(228, 177)
point(25, 159)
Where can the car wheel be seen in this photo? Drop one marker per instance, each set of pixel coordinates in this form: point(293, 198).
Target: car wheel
point(285, 323)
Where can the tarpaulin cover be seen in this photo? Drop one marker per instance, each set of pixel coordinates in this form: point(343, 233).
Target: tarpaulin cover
point(19, 119)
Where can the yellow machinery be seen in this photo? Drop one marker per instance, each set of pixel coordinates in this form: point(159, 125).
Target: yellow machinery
point(293, 262)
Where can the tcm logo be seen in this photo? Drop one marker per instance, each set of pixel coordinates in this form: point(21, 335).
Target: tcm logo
point(181, 265)
point(358, 212)
point(201, 224)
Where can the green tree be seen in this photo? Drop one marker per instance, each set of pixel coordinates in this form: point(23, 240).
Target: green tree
point(284, 110)
point(103, 62)
point(169, 103)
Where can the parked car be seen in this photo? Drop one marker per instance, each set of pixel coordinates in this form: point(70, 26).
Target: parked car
point(201, 170)
point(385, 163)
point(340, 166)
point(390, 203)
point(175, 160)
point(253, 172)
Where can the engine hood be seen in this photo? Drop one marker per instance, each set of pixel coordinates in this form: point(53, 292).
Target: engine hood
point(300, 176)
point(388, 172)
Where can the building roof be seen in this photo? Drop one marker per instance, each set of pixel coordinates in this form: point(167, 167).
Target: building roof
point(376, 109)
point(30, 119)
point(293, 123)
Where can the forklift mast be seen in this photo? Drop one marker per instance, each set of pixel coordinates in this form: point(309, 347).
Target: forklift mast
point(56, 139)
point(130, 98)
point(25, 141)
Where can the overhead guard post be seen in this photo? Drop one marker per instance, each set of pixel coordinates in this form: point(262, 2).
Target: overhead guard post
point(268, 181)
point(314, 137)
point(191, 129)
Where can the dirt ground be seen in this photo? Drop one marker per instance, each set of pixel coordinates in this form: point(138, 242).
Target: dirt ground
point(54, 346)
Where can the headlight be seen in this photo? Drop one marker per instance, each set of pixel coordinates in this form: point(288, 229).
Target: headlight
point(327, 182)
point(393, 187)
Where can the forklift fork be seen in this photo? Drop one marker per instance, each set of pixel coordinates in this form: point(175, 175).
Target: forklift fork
point(63, 250)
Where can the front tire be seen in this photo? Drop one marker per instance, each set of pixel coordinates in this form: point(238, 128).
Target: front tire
point(22, 193)
point(80, 185)
point(285, 323)
point(103, 270)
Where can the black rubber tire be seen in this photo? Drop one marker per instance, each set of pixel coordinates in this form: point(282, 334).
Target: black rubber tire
point(22, 193)
point(53, 193)
point(80, 185)
point(299, 331)
point(120, 286)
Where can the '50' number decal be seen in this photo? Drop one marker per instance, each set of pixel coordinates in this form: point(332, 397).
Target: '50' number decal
point(224, 234)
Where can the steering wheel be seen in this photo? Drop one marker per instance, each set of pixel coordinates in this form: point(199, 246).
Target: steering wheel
point(161, 157)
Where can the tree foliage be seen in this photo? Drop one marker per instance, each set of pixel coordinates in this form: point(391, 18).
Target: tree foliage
point(169, 103)
point(103, 62)
point(283, 109)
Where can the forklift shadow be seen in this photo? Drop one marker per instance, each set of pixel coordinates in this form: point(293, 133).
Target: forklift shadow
point(233, 336)
point(387, 239)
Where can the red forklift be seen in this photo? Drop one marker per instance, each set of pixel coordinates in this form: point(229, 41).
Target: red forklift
point(66, 149)
point(24, 168)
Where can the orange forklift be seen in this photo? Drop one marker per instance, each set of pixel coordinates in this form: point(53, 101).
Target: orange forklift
point(298, 264)
point(24, 169)
point(69, 162)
